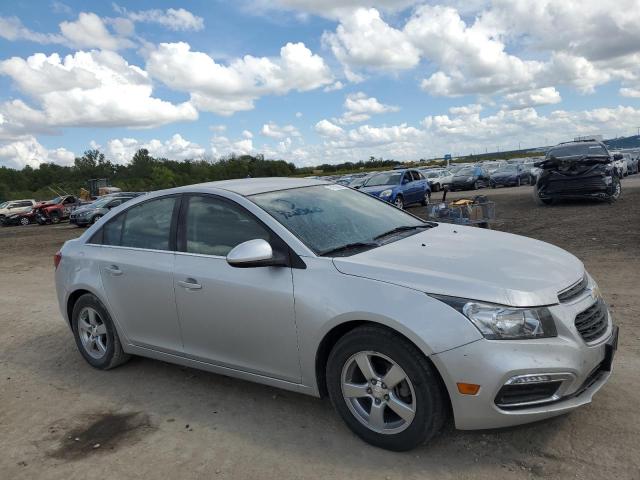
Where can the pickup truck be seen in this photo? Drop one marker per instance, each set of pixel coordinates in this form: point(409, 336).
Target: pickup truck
point(53, 211)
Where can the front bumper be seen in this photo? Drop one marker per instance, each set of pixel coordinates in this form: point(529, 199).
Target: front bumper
point(462, 185)
point(491, 363)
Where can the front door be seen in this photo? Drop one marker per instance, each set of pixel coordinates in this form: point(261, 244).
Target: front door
point(242, 318)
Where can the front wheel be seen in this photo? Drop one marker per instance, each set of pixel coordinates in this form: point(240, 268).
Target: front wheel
point(399, 202)
point(476, 185)
point(96, 218)
point(616, 188)
point(24, 221)
point(385, 389)
point(426, 198)
point(539, 200)
point(55, 217)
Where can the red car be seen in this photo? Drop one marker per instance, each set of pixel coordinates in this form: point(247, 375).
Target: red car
point(55, 210)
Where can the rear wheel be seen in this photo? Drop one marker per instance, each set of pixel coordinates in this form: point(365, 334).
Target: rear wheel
point(95, 334)
point(399, 202)
point(24, 221)
point(426, 198)
point(384, 389)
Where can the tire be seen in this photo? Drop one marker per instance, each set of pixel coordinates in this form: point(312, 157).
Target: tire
point(426, 198)
point(436, 187)
point(476, 185)
point(399, 202)
point(420, 391)
point(96, 218)
point(105, 352)
point(518, 182)
point(492, 184)
point(24, 221)
point(617, 190)
point(55, 217)
point(541, 201)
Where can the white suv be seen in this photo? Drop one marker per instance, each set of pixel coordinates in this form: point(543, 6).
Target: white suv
point(16, 206)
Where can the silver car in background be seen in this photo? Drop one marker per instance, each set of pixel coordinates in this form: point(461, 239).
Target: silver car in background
point(320, 289)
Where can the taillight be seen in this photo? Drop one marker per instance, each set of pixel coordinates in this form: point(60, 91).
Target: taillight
point(56, 259)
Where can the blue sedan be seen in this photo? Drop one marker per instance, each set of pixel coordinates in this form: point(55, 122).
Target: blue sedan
point(400, 187)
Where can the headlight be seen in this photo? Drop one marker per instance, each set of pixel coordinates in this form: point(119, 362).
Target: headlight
point(386, 193)
point(499, 322)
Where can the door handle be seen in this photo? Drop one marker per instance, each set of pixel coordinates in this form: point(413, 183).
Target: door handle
point(190, 284)
point(113, 270)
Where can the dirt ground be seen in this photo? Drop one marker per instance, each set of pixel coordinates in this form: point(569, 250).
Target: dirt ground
point(59, 418)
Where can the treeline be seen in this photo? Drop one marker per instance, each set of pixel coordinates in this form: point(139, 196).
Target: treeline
point(143, 173)
point(146, 173)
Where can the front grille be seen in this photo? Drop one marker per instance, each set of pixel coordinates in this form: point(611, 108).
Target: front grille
point(592, 323)
point(512, 396)
point(573, 291)
point(569, 185)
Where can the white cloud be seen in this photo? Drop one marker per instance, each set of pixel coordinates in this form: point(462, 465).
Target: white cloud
point(121, 150)
point(364, 40)
point(222, 146)
point(337, 85)
point(28, 151)
point(11, 28)
point(247, 134)
point(298, 114)
point(532, 98)
point(273, 130)
point(327, 129)
point(359, 107)
point(174, 19)
point(226, 89)
point(89, 31)
point(96, 88)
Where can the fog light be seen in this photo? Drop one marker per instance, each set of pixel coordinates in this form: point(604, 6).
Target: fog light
point(529, 379)
point(468, 388)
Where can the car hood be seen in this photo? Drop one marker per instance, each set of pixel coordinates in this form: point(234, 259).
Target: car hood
point(470, 262)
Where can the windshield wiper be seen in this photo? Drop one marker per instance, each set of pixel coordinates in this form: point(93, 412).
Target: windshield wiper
point(349, 246)
point(404, 228)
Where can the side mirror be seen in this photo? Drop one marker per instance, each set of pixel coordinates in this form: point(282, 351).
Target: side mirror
point(252, 253)
point(617, 156)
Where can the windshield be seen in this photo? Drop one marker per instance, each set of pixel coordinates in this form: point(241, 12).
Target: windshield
point(507, 168)
point(327, 217)
point(466, 171)
point(358, 181)
point(386, 178)
point(577, 150)
point(99, 203)
point(55, 200)
point(432, 174)
point(4, 204)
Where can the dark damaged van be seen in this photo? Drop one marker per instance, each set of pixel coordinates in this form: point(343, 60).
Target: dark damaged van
point(582, 169)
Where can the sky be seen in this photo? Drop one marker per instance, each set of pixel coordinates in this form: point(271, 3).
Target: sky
point(311, 82)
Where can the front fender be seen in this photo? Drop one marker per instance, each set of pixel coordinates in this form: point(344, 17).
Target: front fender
point(326, 298)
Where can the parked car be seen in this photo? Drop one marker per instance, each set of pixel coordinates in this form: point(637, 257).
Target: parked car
point(434, 177)
point(402, 323)
point(15, 206)
point(510, 175)
point(632, 163)
point(470, 178)
point(492, 166)
point(56, 209)
point(581, 169)
point(446, 179)
point(21, 218)
point(88, 214)
point(358, 182)
point(400, 187)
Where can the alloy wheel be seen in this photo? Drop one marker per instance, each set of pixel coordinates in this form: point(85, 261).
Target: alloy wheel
point(24, 221)
point(92, 332)
point(378, 392)
point(399, 203)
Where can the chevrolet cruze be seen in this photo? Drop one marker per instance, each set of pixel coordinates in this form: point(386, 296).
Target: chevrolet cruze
point(323, 290)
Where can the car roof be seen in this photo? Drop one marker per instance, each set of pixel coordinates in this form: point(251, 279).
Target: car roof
point(252, 186)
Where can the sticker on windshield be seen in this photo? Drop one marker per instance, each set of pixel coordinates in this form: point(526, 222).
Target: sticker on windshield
point(335, 187)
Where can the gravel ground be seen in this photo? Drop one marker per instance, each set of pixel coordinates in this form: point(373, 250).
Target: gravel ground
point(59, 418)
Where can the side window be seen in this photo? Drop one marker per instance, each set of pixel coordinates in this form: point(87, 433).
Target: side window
point(417, 175)
point(214, 226)
point(112, 231)
point(148, 225)
point(69, 200)
point(407, 177)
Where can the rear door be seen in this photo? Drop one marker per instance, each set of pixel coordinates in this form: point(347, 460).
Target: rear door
point(136, 268)
point(242, 318)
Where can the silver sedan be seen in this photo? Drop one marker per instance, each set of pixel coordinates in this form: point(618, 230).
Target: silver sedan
point(320, 289)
